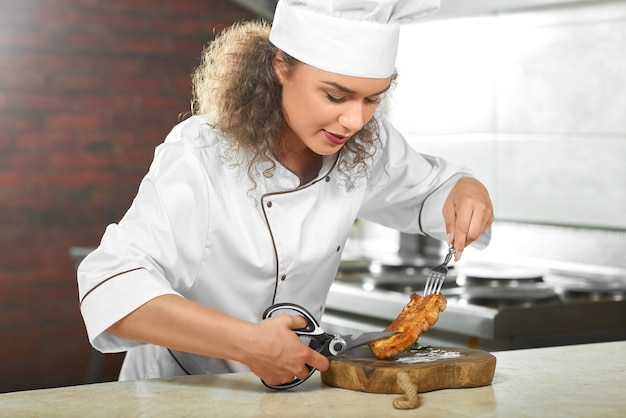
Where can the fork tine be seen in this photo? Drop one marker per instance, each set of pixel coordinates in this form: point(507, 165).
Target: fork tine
point(433, 283)
point(439, 284)
point(437, 275)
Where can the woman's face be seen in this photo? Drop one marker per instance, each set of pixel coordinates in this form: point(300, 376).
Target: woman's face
point(323, 109)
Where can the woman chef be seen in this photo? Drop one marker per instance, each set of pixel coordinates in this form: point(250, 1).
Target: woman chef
point(250, 201)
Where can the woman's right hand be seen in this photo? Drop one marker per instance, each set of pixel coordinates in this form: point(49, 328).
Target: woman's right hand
point(277, 354)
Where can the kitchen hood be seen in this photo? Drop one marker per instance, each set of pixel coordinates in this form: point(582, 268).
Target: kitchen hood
point(449, 8)
point(263, 8)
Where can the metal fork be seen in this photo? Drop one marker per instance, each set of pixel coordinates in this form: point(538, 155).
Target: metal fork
point(437, 274)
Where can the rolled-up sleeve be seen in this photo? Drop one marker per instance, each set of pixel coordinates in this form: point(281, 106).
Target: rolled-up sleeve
point(156, 249)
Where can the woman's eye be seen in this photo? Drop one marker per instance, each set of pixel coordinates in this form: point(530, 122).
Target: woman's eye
point(334, 99)
point(369, 100)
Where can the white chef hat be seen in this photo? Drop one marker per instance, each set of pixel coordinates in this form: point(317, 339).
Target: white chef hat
point(350, 37)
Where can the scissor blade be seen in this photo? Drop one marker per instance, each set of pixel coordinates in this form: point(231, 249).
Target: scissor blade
point(368, 337)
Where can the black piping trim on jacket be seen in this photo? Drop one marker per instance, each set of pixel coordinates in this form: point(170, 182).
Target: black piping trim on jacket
point(119, 274)
point(106, 280)
point(267, 222)
point(178, 362)
point(419, 219)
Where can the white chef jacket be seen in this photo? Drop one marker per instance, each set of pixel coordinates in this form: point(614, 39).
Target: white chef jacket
point(199, 228)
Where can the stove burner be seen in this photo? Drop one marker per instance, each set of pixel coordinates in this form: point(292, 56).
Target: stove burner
point(401, 277)
point(497, 297)
point(588, 288)
point(408, 284)
point(499, 277)
point(360, 268)
point(593, 296)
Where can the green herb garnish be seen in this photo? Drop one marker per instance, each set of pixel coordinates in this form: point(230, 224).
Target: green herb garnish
point(417, 346)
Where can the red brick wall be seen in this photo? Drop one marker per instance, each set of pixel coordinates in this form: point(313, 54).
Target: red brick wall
point(88, 88)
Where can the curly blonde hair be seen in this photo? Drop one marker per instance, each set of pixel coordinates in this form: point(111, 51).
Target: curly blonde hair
point(236, 87)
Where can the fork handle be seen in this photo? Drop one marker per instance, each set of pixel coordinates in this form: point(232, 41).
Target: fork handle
point(450, 254)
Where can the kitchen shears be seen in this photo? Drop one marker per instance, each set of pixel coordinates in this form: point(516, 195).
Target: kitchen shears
point(326, 344)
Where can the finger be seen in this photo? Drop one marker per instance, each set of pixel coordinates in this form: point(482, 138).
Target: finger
point(478, 224)
point(297, 321)
point(318, 361)
point(449, 217)
point(482, 217)
point(276, 380)
point(461, 228)
point(287, 373)
point(292, 321)
point(303, 373)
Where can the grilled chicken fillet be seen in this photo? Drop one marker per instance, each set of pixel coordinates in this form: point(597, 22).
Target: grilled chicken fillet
point(416, 317)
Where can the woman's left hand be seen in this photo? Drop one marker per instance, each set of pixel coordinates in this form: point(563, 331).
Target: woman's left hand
point(468, 212)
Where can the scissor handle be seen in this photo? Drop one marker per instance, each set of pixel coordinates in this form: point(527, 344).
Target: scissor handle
point(311, 329)
point(295, 382)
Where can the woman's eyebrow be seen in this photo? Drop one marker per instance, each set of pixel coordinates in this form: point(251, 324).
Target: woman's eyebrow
point(350, 91)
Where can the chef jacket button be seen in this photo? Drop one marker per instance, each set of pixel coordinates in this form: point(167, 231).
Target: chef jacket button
point(269, 204)
point(338, 248)
point(327, 179)
point(283, 277)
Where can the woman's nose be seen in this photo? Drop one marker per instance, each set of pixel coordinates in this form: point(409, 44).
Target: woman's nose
point(353, 117)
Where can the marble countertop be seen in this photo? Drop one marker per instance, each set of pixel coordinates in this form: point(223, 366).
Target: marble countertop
point(571, 381)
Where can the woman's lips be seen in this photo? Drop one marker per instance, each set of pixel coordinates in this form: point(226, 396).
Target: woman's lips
point(336, 139)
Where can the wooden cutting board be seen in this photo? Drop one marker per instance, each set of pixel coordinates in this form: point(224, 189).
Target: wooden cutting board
point(438, 368)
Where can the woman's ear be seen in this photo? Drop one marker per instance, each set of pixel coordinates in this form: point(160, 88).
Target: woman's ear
point(280, 66)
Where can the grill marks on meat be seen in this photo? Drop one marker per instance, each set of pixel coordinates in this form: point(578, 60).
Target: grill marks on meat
point(416, 317)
